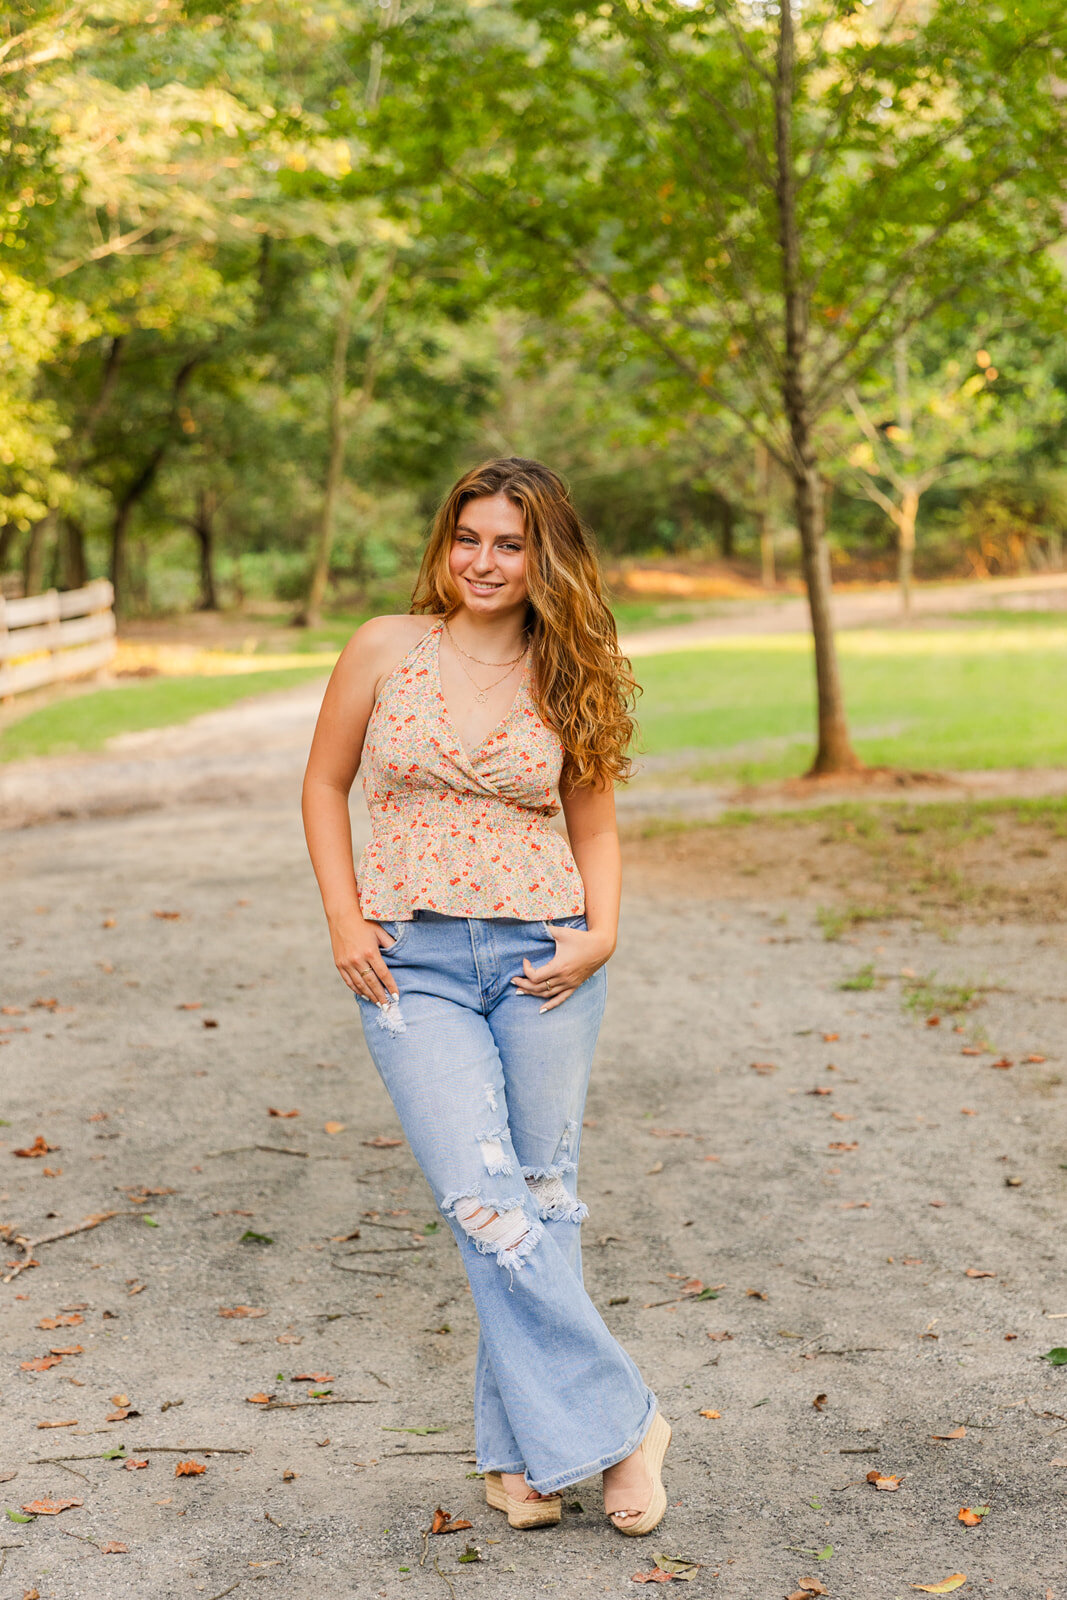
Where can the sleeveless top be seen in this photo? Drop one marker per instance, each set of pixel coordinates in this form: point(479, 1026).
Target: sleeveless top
point(467, 835)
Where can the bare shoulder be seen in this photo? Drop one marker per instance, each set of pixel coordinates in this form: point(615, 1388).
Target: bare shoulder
point(381, 643)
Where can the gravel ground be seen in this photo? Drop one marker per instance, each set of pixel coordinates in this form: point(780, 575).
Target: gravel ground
point(841, 1227)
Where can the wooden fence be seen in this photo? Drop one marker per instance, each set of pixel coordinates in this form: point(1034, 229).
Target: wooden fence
point(47, 638)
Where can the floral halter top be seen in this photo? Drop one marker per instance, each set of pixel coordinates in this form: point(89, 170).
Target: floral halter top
point(467, 835)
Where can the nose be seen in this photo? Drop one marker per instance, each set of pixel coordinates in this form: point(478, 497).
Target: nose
point(485, 559)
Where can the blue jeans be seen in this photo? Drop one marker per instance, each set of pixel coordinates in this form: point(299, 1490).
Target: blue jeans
point(490, 1092)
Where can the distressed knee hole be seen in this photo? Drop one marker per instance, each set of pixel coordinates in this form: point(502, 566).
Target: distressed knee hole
point(497, 1230)
point(553, 1199)
point(491, 1145)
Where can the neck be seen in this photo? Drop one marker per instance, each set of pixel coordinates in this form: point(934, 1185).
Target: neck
point(495, 637)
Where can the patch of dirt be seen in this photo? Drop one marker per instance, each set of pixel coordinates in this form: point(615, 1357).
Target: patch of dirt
point(974, 865)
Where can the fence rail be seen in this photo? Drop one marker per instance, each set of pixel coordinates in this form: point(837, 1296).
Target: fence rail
point(47, 638)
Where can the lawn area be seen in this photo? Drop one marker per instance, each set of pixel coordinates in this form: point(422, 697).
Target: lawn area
point(86, 721)
point(992, 695)
point(959, 696)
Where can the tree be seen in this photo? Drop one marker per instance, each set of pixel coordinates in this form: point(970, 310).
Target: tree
point(765, 196)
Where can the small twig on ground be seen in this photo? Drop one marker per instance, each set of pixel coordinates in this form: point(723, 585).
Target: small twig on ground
point(385, 1250)
point(400, 1451)
point(28, 1246)
point(425, 1546)
point(158, 1449)
point(4, 1548)
point(1056, 1416)
point(854, 1350)
point(291, 1405)
point(272, 1149)
point(859, 1450)
point(378, 1379)
point(440, 1574)
point(73, 1470)
point(365, 1272)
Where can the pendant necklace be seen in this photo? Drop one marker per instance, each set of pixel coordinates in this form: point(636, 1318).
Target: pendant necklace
point(482, 695)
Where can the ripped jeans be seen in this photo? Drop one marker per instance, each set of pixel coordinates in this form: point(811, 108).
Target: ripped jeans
point(490, 1091)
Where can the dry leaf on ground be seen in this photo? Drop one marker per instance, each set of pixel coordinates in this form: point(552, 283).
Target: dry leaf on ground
point(312, 1377)
point(820, 1402)
point(339, 1127)
point(808, 1586)
point(134, 1464)
point(712, 1414)
point(444, 1522)
point(957, 1433)
point(72, 1423)
point(114, 1547)
point(884, 1480)
point(979, 1272)
point(39, 1147)
point(49, 1508)
point(242, 1311)
point(272, 1111)
point(955, 1580)
point(971, 1516)
point(260, 1399)
point(71, 1321)
point(40, 1363)
point(189, 1469)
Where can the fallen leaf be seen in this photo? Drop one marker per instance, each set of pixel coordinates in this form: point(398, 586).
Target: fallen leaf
point(71, 1424)
point(978, 1272)
point(120, 1399)
point(713, 1414)
point(444, 1522)
point(71, 1321)
point(840, 1144)
point(289, 1338)
point(677, 1566)
point(655, 1576)
point(967, 1050)
point(115, 1547)
point(830, 1038)
point(242, 1311)
point(312, 1377)
point(955, 1581)
point(820, 1402)
point(811, 1586)
point(1056, 1357)
point(971, 1517)
point(189, 1469)
point(379, 1142)
point(121, 1414)
point(755, 1294)
point(818, 1091)
point(258, 1399)
point(167, 916)
point(957, 1433)
point(762, 1066)
point(190, 1005)
point(40, 1363)
point(210, 1022)
point(1035, 1058)
point(49, 1508)
point(884, 1480)
point(272, 1111)
point(39, 1147)
point(67, 1349)
point(720, 1336)
point(1004, 1063)
point(933, 1022)
point(842, 1116)
point(657, 1166)
point(134, 1465)
point(289, 1475)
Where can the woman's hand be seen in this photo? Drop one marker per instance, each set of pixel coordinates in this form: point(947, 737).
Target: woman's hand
point(357, 953)
point(579, 953)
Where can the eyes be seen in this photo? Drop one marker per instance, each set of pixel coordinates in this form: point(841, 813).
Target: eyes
point(512, 546)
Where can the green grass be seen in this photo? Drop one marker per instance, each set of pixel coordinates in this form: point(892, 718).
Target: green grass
point(87, 721)
point(932, 698)
point(927, 997)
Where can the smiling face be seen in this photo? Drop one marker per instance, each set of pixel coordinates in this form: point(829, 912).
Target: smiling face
point(487, 559)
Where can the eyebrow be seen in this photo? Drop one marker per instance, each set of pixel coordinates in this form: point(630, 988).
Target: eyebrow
point(461, 527)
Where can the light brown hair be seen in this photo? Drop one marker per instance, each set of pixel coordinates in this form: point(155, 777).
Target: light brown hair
point(583, 686)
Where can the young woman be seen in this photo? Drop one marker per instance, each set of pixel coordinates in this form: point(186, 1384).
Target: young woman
point(475, 941)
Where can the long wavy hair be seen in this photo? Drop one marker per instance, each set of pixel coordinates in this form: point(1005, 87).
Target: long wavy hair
point(583, 685)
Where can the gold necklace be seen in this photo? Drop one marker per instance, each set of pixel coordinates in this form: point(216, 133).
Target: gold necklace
point(482, 695)
point(478, 659)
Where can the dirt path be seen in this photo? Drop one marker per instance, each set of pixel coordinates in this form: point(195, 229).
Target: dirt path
point(842, 1228)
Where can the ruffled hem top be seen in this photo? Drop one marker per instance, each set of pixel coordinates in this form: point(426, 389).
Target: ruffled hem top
point(467, 835)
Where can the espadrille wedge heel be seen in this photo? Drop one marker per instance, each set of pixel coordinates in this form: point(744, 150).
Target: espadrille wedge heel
point(541, 1513)
point(653, 1448)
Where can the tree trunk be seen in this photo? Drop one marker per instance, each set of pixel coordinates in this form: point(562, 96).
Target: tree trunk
point(75, 566)
point(909, 510)
point(207, 504)
point(763, 516)
point(34, 552)
point(834, 752)
point(726, 530)
point(140, 485)
point(8, 531)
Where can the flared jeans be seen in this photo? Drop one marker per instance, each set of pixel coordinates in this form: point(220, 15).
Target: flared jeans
point(490, 1092)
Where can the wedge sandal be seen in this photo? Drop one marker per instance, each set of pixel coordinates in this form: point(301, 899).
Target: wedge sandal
point(542, 1513)
point(653, 1448)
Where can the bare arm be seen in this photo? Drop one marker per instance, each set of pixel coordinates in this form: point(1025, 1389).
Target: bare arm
point(594, 839)
point(332, 765)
